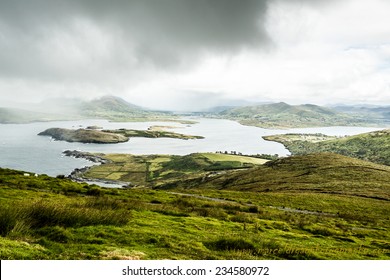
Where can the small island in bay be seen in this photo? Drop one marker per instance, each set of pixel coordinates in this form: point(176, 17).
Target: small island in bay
point(109, 136)
point(84, 136)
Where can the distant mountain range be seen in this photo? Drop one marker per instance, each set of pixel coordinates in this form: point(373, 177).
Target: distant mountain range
point(379, 113)
point(275, 115)
point(107, 107)
point(283, 115)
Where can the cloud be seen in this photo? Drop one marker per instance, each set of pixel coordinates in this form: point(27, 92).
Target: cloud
point(292, 50)
point(81, 38)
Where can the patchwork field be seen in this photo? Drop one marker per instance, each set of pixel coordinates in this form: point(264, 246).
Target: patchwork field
point(152, 170)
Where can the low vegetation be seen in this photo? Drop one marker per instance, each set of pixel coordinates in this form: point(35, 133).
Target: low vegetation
point(307, 207)
point(372, 146)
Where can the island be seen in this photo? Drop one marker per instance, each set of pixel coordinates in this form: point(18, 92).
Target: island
point(84, 136)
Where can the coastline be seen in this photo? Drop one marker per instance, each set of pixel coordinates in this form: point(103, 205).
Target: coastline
point(77, 174)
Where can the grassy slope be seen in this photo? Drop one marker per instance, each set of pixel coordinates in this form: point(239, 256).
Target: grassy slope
point(49, 218)
point(315, 173)
point(373, 146)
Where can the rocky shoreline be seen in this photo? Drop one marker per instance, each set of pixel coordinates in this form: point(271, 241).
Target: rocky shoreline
point(77, 174)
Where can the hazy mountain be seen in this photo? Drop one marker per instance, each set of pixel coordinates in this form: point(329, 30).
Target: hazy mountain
point(113, 108)
point(16, 115)
point(108, 107)
point(284, 115)
point(375, 112)
point(111, 103)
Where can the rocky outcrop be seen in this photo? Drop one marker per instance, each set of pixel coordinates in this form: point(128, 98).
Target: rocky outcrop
point(88, 156)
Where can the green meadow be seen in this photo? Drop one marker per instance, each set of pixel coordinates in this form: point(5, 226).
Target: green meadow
point(285, 209)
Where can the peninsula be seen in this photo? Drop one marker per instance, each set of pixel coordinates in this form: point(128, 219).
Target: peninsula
point(84, 136)
point(109, 136)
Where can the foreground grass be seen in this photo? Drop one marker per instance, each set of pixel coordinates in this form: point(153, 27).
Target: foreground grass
point(50, 218)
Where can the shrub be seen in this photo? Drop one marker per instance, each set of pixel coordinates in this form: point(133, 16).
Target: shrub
point(253, 209)
point(94, 192)
point(224, 244)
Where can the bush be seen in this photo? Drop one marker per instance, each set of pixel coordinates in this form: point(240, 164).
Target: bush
point(94, 192)
point(237, 244)
point(253, 209)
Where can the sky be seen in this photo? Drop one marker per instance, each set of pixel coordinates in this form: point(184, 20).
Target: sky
point(191, 55)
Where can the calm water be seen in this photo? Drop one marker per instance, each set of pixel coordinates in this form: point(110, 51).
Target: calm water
point(21, 147)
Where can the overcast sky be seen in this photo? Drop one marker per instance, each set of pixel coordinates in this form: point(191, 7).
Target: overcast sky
point(191, 54)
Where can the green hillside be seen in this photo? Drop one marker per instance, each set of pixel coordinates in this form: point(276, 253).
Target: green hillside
point(283, 115)
point(373, 146)
point(315, 173)
point(112, 107)
point(310, 207)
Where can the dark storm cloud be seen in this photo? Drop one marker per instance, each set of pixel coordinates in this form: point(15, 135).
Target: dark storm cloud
point(51, 38)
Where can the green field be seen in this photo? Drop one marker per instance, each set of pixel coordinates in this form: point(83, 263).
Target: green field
point(153, 170)
point(309, 207)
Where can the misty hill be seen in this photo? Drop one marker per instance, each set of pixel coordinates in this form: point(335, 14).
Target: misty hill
point(15, 115)
point(379, 113)
point(318, 173)
point(372, 146)
point(107, 107)
point(284, 115)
